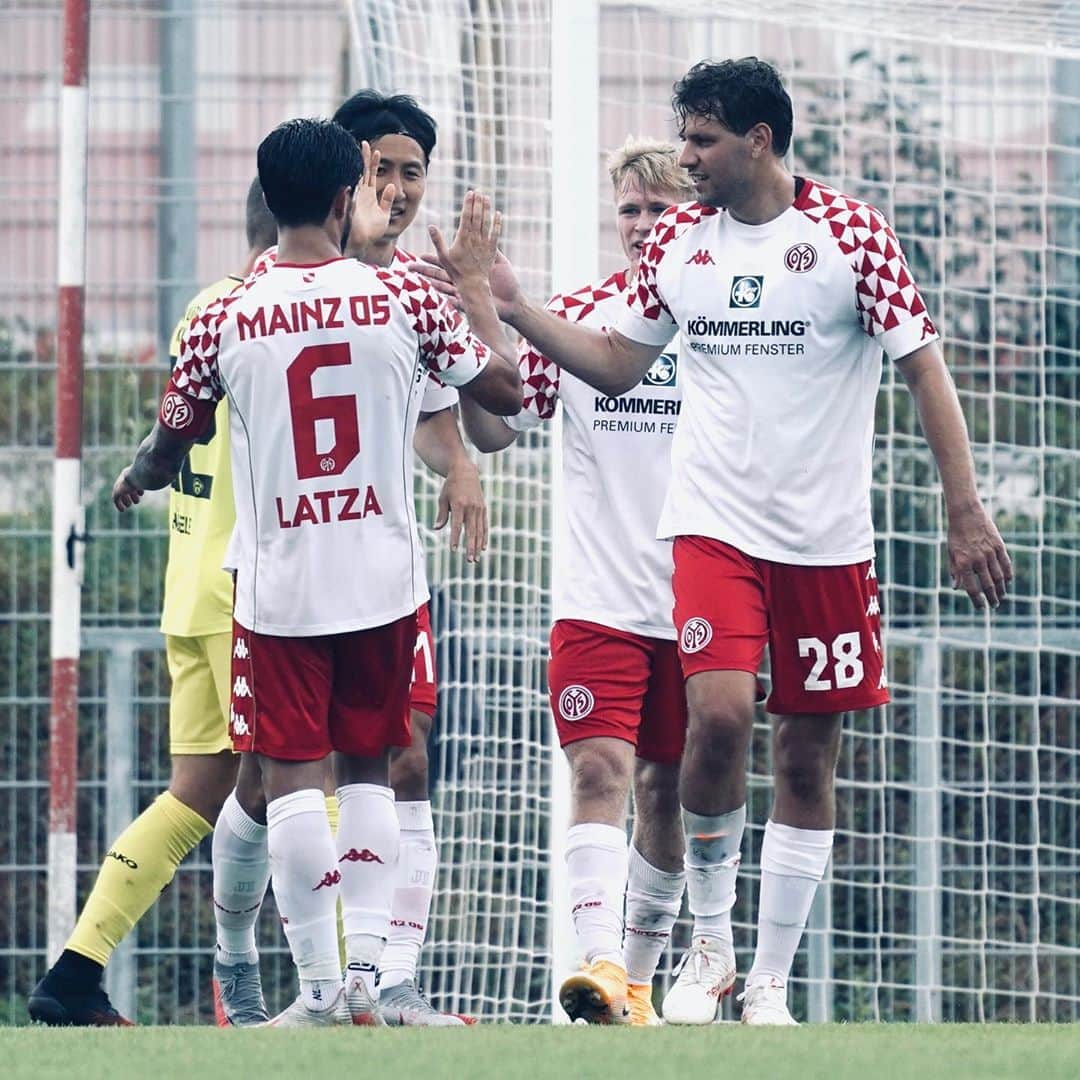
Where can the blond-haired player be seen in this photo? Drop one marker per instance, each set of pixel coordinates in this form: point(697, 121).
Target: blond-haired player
point(614, 678)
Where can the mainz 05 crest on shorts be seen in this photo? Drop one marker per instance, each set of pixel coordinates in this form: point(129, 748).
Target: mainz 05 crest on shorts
point(576, 702)
point(696, 634)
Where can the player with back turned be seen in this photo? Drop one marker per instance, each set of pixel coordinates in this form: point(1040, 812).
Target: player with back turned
point(785, 293)
point(405, 137)
point(324, 362)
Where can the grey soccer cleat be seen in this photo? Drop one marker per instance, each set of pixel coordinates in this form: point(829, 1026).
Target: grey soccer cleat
point(238, 996)
point(298, 1015)
point(363, 1008)
point(405, 1005)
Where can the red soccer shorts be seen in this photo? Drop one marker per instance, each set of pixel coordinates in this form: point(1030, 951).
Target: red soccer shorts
point(822, 625)
point(606, 682)
point(298, 698)
point(422, 692)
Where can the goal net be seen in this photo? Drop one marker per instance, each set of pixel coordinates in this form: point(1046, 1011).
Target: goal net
point(953, 888)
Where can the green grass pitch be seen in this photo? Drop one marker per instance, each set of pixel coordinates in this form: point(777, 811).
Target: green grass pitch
point(720, 1052)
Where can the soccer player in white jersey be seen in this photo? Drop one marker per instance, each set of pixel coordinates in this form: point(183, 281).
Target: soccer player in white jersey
point(324, 361)
point(785, 293)
point(405, 137)
point(616, 689)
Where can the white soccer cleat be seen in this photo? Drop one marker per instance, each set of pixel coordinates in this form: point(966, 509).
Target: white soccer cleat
point(704, 976)
point(765, 1004)
point(298, 1015)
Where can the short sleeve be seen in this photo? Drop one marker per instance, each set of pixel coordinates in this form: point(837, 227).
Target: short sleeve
point(437, 396)
point(195, 387)
point(888, 301)
point(447, 348)
point(646, 317)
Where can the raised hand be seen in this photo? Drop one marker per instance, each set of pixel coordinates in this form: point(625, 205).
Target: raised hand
point(505, 288)
point(472, 254)
point(371, 212)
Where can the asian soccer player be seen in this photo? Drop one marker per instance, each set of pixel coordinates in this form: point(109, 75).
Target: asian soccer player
point(785, 293)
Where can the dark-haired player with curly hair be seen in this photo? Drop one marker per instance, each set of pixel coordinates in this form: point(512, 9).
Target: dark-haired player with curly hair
point(786, 293)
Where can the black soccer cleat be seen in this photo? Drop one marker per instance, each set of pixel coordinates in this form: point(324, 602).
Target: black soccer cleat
point(63, 1002)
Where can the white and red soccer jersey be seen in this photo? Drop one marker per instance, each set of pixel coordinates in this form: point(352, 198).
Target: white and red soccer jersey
point(437, 395)
point(783, 326)
point(325, 368)
point(609, 568)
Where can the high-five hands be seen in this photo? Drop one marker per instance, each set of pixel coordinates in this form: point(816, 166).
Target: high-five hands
point(371, 212)
point(472, 254)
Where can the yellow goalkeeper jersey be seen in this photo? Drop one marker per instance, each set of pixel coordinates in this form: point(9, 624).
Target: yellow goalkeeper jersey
point(198, 593)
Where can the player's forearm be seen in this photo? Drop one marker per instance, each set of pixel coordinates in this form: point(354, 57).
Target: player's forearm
point(439, 445)
point(944, 427)
point(484, 322)
point(486, 432)
point(157, 461)
point(583, 352)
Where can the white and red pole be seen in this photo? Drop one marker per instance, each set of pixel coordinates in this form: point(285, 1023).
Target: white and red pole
point(67, 531)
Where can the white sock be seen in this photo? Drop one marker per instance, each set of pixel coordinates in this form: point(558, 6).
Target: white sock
point(793, 862)
point(304, 868)
point(653, 900)
point(712, 865)
point(596, 865)
point(414, 884)
point(241, 874)
point(367, 842)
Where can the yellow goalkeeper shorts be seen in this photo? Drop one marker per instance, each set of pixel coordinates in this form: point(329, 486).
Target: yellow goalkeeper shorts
point(199, 703)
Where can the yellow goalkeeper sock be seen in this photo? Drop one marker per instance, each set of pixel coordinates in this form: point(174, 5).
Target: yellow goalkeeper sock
point(140, 863)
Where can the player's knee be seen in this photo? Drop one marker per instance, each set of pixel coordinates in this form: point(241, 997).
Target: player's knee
point(719, 732)
point(409, 774)
point(656, 790)
point(803, 770)
point(600, 772)
point(804, 759)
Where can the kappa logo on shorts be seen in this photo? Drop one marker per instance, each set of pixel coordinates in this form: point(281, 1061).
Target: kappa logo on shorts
point(239, 724)
point(696, 634)
point(240, 650)
point(575, 703)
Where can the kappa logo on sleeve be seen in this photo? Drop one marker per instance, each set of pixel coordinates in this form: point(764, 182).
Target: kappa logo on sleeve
point(746, 290)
